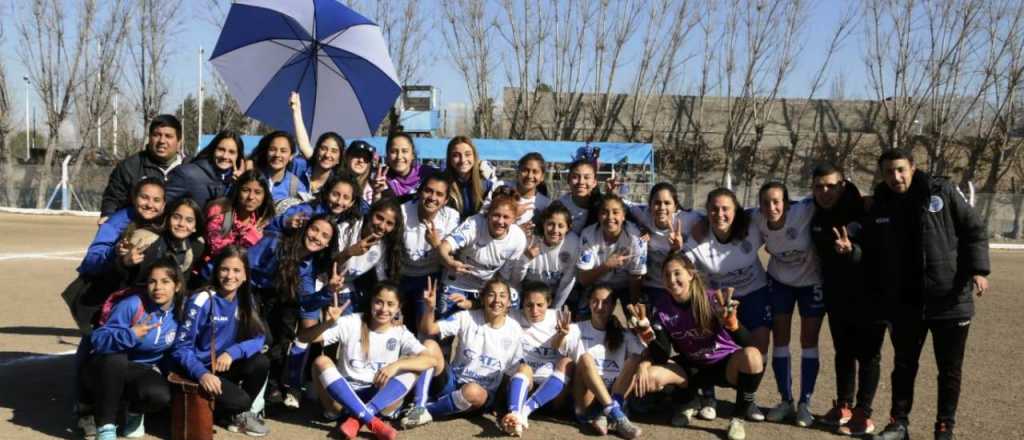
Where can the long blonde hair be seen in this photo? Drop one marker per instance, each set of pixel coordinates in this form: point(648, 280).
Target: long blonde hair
point(476, 184)
point(703, 313)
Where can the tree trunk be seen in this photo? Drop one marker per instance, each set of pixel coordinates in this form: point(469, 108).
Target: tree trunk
point(46, 170)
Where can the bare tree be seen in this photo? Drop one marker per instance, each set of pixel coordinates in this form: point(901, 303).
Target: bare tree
point(572, 20)
point(54, 58)
point(616, 24)
point(525, 26)
point(101, 73)
point(466, 27)
point(6, 155)
point(156, 24)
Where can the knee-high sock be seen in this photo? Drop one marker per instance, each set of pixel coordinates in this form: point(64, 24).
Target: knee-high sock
point(422, 387)
point(517, 389)
point(296, 362)
point(783, 373)
point(746, 390)
point(614, 410)
point(808, 373)
point(394, 389)
point(451, 403)
point(341, 391)
point(545, 393)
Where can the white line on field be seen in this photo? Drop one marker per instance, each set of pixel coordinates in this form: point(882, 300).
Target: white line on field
point(34, 358)
point(58, 255)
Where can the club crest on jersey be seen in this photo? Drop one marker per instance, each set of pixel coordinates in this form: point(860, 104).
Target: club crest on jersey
point(169, 338)
point(746, 247)
point(935, 204)
point(791, 233)
point(392, 344)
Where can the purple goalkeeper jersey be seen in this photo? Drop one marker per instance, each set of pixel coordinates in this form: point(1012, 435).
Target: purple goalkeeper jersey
point(676, 320)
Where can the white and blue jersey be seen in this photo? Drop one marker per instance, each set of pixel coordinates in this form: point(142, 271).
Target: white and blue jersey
point(734, 264)
point(536, 344)
point(485, 354)
point(588, 340)
point(485, 255)
point(555, 266)
point(384, 348)
point(595, 250)
point(419, 258)
point(660, 245)
point(192, 350)
point(793, 261)
point(117, 336)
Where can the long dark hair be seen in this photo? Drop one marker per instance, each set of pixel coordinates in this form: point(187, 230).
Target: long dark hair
point(664, 186)
point(265, 212)
point(703, 314)
point(259, 154)
point(290, 251)
point(352, 213)
point(157, 224)
point(200, 218)
point(542, 188)
point(249, 322)
point(381, 287)
point(740, 220)
point(168, 264)
point(393, 240)
point(613, 332)
point(775, 184)
point(330, 135)
point(593, 201)
point(207, 152)
point(555, 208)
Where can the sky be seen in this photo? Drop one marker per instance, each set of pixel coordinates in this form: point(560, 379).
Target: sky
point(197, 32)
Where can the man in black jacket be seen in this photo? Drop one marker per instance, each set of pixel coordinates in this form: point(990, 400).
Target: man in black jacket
point(857, 328)
point(927, 250)
point(157, 160)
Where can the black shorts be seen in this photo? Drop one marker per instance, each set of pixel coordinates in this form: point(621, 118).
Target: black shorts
point(703, 376)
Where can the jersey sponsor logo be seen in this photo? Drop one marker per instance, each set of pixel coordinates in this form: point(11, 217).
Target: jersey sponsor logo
point(935, 204)
point(791, 233)
point(486, 361)
point(610, 365)
point(392, 344)
point(360, 364)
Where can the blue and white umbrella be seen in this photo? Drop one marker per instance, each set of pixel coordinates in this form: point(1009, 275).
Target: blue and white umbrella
point(335, 58)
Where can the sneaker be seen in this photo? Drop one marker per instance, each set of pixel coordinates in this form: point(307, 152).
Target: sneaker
point(682, 415)
point(349, 429)
point(88, 426)
point(134, 425)
point(600, 424)
point(839, 415)
point(858, 424)
point(943, 431)
point(106, 432)
point(781, 412)
point(736, 429)
point(382, 430)
point(329, 415)
point(416, 416)
point(292, 398)
point(804, 418)
point(895, 430)
point(707, 408)
point(624, 428)
point(249, 424)
point(510, 424)
point(754, 413)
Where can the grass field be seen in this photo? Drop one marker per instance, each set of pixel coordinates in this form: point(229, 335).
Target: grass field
point(38, 255)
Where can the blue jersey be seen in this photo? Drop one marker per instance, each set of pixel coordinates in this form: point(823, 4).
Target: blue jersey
point(101, 251)
point(117, 336)
point(208, 314)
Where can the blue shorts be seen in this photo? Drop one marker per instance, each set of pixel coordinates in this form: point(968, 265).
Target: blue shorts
point(785, 297)
point(311, 308)
point(445, 307)
point(446, 383)
point(755, 309)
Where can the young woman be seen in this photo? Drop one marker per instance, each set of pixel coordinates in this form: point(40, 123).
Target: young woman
point(476, 251)
point(551, 255)
point(240, 218)
point(325, 156)
point(583, 195)
point(607, 359)
point(489, 350)
point(358, 163)
point(127, 349)
point(271, 158)
point(728, 257)
point(712, 347)
point(667, 224)
point(181, 241)
point(337, 203)
point(403, 173)
point(426, 221)
point(211, 172)
point(378, 363)
point(611, 252)
point(530, 189)
point(793, 278)
point(546, 356)
point(284, 277)
point(226, 316)
point(467, 188)
point(371, 245)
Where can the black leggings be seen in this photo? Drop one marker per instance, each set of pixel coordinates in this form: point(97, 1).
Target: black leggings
point(858, 346)
point(241, 383)
point(949, 339)
point(112, 377)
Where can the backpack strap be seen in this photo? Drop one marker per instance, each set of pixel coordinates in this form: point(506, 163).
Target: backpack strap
point(229, 222)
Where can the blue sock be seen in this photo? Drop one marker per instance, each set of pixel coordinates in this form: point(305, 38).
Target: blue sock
point(296, 363)
point(783, 376)
point(342, 392)
point(544, 394)
point(618, 398)
point(517, 389)
point(614, 410)
point(451, 403)
point(393, 390)
point(809, 365)
point(422, 387)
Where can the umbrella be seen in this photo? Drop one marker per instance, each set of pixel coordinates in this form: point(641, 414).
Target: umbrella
point(335, 58)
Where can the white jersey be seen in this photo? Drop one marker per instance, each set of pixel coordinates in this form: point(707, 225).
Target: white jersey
point(384, 348)
point(484, 353)
point(373, 259)
point(590, 340)
point(734, 264)
point(594, 251)
point(793, 260)
point(579, 215)
point(530, 206)
point(485, 255)
point(536, 344)
point(555, 266)
point(419, 257)
point(659, 246)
